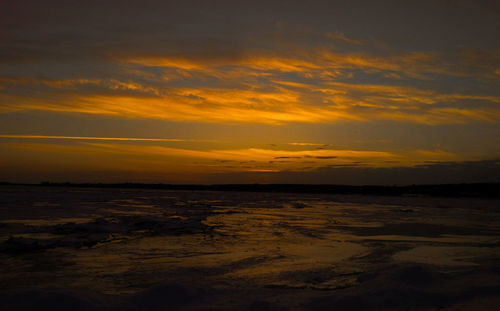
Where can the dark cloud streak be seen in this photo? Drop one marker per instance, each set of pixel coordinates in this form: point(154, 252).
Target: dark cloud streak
point(438, 173)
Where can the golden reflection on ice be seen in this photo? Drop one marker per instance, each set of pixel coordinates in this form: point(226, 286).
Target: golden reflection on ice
point(135, 239)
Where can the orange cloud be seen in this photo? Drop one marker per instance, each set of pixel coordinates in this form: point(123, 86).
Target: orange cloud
point(413, 64)
point(262, 87)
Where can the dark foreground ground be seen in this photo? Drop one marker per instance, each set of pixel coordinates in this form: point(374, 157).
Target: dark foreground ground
point(74, 248)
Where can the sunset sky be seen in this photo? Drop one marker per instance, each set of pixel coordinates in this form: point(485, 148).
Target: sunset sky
point(344, 92)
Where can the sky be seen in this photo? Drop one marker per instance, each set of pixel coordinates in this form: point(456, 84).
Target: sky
point(341, 92)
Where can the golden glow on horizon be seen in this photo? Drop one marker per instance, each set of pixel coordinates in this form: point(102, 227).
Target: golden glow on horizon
point(152, 158)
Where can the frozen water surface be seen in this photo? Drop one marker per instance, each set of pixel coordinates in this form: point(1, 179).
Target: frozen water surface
point(116, 249)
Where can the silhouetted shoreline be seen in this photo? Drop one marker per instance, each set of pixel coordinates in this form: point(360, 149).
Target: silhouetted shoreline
point(480, 190)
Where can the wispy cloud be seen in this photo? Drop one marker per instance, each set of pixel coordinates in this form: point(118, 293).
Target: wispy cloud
point(91, 138)
point(305, 144)
point(309, 86)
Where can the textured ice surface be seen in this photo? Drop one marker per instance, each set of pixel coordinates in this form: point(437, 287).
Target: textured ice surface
point(114, 249)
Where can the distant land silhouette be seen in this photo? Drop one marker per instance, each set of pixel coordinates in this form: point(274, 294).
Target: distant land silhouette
point(480, 190)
